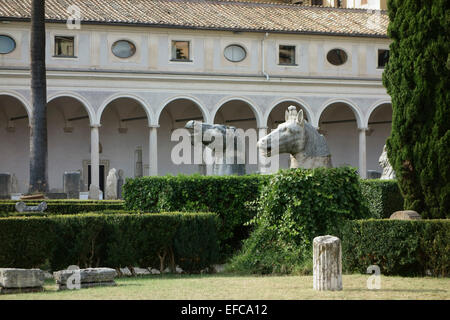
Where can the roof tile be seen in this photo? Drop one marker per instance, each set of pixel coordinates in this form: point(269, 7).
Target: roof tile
point(212, 14)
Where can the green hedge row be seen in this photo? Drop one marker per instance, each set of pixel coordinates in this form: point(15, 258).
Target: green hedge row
point(7, 207)
point(231, 197)
point(61, 201)
point(383, 197)
point(89, 240)
point(228, 196)
point(398, 247)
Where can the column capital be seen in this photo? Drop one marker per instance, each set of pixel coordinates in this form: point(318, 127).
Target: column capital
point(262, 127)
point(151, 126)
point(363, 129)
point(97, 125)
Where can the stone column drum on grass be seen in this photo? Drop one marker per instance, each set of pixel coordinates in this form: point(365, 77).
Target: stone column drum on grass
point(327, 260)
point(21, 280)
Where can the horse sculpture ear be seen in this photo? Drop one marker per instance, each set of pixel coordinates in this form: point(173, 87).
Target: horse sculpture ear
point(300, 118)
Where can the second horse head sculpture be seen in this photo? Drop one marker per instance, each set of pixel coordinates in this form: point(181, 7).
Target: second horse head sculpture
point(307, 147)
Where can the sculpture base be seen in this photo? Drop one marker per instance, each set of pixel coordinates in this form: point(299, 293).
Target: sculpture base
point(228, 169)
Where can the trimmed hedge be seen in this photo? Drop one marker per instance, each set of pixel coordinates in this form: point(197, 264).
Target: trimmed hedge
point(228, 196)
point(296, 206)
point(7, 207)
point(398, 247)
point(231, 198)
point(383, 197)
point(89, 240)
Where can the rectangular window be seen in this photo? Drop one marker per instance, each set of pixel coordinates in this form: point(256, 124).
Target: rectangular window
point(286, 55)
point(180, 50)
point(383, 58)
point(64, 46)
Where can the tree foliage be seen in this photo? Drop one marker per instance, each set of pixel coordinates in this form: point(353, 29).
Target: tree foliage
point(417, 79)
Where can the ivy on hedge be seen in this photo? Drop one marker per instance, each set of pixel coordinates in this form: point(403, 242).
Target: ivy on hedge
point(294, 207)
point(398, 247)
point(383, 197)
point(301, 204)
point(228, 196)
point(90, 240)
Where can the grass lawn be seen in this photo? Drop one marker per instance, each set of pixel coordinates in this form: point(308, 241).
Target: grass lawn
point(228, 287)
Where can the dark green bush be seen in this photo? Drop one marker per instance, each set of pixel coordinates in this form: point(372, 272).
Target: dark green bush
point(265, 253)
point(90, 240)
point(193, 246)
point(294, 207)
point(25, 242)
point(383, 197)
point(398, 247)
point(227, 196)
point(7, 207)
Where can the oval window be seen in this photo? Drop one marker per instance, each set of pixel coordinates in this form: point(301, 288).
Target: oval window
point(123, 49)
point(7, 44)
point(234, 53)
point(337, 57)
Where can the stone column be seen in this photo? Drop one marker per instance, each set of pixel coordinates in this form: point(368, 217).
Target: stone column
point(153, 150)
point(208, 155)
point(362, 153)
point(263, 166)
point(327, 263)
point(95, 162)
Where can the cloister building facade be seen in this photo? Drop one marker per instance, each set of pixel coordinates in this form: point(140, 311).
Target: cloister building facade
point(118, 86)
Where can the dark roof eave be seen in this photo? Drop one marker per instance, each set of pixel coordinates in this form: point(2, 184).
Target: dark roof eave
point(155, 25)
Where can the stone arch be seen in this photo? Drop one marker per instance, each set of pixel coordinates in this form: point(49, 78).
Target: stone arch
point(25, 103)
point(173, 114)
point(357, 112)
point(341, 122)
point(142, 102)
point(87, 106)
point(242, 113)
point(379, 123)
point(305, 106)
point(197, 102)
point(373, 107)
point(253, 106)
point(15, 136)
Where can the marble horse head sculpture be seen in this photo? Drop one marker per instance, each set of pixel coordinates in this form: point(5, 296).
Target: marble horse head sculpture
point(222, 165)
point(308, 148)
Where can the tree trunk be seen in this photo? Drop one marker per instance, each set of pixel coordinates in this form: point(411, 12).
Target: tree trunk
point(38, 130)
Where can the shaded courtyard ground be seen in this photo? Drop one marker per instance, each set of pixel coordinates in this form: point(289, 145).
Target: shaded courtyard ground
point(229, 287)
